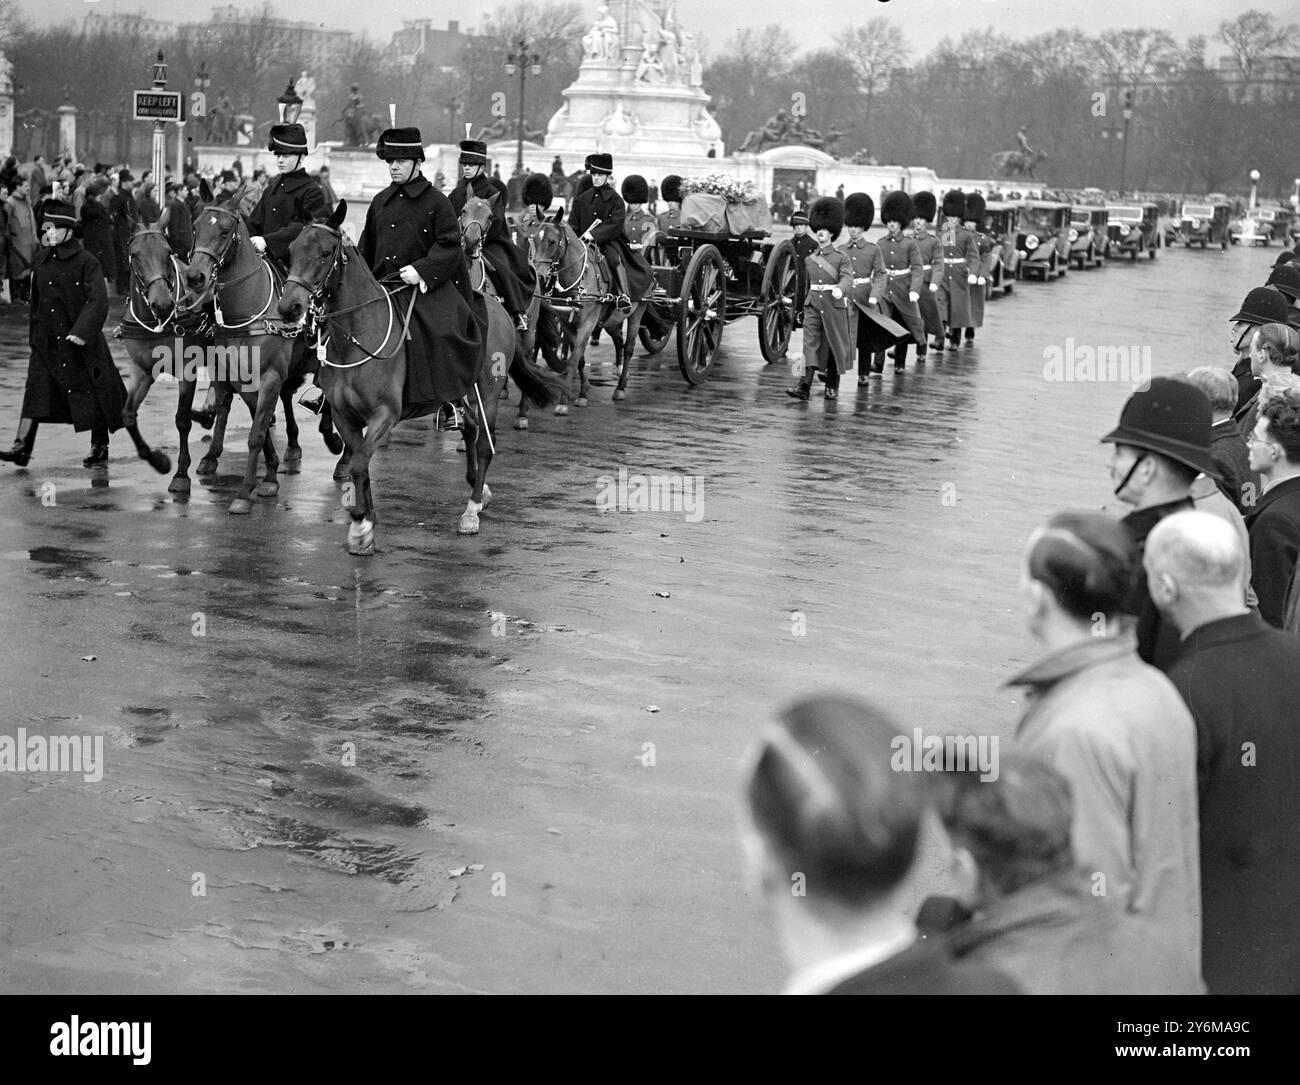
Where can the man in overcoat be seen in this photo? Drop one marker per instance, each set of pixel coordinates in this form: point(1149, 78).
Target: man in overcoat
point(290, 201)
point(957, 265)
point(924, 207)
point(902, 257)
point(597, 215)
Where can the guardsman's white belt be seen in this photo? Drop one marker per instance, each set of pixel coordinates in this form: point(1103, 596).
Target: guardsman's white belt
point(824, 286)
point(896, 274)
point(864, 279)
point(954, 259)
point(926, 267)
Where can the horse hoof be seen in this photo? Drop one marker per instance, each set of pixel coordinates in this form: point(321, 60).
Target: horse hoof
point(293, 454)
point(207, 466)
point(521, 423)
point(581, 401)
point(334, 443)
point(159, 461)
point(268, 489)
point(468, 521)
point(342, 470)
point(619, 393)
point(487, 496)
point(180, 485)
point(241, 506)
point(361, 538)
point(561, 408)
point(460, 446)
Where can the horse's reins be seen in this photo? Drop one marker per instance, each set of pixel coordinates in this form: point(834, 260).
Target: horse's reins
point(219, 262)
point(143, 287)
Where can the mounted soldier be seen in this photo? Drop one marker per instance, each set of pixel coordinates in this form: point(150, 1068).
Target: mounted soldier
point(597, 216)
point(412, 233)
point(507, 265)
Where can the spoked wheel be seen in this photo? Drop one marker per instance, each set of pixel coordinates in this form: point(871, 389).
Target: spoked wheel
point(776, 317)
point(701, 314)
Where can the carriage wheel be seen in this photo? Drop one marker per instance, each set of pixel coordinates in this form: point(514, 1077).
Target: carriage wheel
point(776, 317)
point(701, 314)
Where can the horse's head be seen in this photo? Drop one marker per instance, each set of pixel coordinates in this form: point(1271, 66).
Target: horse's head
point(153, 269)
point(475, 218)
point(218, 229)
point(316, 259)
point(550, 242)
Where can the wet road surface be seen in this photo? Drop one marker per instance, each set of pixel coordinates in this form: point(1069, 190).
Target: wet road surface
point(509, 762)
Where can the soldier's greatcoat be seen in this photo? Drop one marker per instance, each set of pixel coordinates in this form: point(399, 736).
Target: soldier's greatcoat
point(902, 259)
point(826, 329)
point(288, 203)
point(953, 262)
point(930, 250)
point(507, 263)
point(869, 325)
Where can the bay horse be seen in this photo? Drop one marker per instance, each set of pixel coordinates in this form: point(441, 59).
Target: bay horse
point(244, 289)
point(567, 277)
point(366, 362)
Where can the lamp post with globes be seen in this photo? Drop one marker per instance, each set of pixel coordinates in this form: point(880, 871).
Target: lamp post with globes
point(1254, 188)
point(524, 62)
point(159, 127)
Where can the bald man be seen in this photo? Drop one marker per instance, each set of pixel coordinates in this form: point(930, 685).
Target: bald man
point(1237, 675)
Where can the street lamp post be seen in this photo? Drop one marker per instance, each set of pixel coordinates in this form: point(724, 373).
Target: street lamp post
point(1254, 188)
point(159, 127)
point(525, 62)
point(202, 81)
point(1123, 160)
point(289, 104)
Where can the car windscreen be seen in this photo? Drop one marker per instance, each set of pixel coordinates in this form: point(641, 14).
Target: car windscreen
point(1039, 219)
point(1197, 211)
point(1080, 216)
point(1125, 214)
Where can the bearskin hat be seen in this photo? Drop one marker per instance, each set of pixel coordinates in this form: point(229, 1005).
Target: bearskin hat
point(897, 207)
point(671, 189)
point(537, 190)
point(924, 206)
point(635, 189)
point(954, 204)
point(974, 208)
point(826, 213)
point(859, 210)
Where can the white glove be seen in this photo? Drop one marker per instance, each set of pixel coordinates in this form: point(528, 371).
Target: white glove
point(971, 279)
point(837, 293)
point(871, 301)
point(981, 280)
point(410, 276)
point(76, 340)
point(259, 243)
point(934, 288)
point(586, 237)
point(912, 295)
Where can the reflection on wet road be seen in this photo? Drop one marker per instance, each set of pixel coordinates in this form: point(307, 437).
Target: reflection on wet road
point(508, 762)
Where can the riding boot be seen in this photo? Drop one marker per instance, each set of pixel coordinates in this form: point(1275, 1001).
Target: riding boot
point(623, 299)
point(21, 452)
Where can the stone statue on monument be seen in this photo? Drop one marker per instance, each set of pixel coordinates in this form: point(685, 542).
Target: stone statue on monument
point(601, 42)
point(305, 88)
point(6, 74)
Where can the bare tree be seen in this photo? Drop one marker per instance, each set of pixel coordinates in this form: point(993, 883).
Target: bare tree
point(1253, 36)
point(748, 81)
point(874, 50)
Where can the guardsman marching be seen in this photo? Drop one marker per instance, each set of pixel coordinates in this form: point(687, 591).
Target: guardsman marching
point(827, 346)
point(869, 281)
point(804, 246)
point(639, 225)
point(984, 243)
point(671, 193)
point(902, 258)
point(956, 266)
point(597, 215)
point(506, 265)
point(923, 209)
point(412, 233)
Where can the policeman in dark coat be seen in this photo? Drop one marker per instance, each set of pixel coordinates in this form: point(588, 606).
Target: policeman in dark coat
point(71, 378)
point(507, 266)
point(804, 246)
point(412, 232)
point(1263, 305)
point(597, 215)
point(290, 201)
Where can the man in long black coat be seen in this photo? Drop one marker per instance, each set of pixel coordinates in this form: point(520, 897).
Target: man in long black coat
point(507, 264)
point(123, 214)
point(71, 378)
point(412, 231)
point(290, 201)
point(1237, 676)
point(597, 215)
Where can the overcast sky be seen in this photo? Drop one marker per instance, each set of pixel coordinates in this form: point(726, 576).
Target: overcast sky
point(925, 22)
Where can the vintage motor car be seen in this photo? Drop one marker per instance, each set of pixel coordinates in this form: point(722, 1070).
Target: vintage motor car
point(1133, 229)
point(1260, 226)
point(1043, 238)
point(1203, 223)
point(1088, 239)
point(1004, 261)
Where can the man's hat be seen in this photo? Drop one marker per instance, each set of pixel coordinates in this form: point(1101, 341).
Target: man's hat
point(954, 203)
point(599, 163)
point(896, 207)
point(400, 144)
point(635, 189)
point(1284, 257)
point(287, 139)
point(859, 210)
point(228, 176)
point(59, 212)
point(537, 190)
point(124, 176)
point(799, 218)
point(473, 152)
point(671, 189)
point(826, 213)
point(1170, 417)
point(1263, 305)
point(974, 208)
point(924, 206)
point(1286, 278)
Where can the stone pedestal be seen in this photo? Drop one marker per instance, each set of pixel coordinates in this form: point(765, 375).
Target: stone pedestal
point(68, 129)
point(307, 118)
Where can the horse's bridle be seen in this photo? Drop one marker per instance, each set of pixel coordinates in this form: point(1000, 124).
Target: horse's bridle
point(553, 273)
point(219, 259)
point(316, 295)
point(143, 286)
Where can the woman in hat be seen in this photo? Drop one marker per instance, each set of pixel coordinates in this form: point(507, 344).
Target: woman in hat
point(71, 378)
point(827, 345)
point(507, 264)
point(902, 257)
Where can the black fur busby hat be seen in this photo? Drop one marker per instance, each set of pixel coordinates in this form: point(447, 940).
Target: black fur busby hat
point(896, 207)
point(538, 191)
point(924, 206)
point(826, 213)
point(599, 163)
point(671, 189)
point(287, 139)
point(400, 143)
point(859, 210)
point(473, 152)
point(635, 189)
point(975, 209)
point(954, 203)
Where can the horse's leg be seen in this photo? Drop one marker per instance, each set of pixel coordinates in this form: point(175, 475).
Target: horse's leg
point(263, 406)
point(326, 429)
point(575, 363)
point(478, 452)
point(208, 464)
point(180, 483)
point(625, 348)
point(361, 534)
point(293, 450)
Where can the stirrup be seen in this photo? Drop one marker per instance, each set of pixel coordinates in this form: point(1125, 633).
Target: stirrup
point(313, 399)
point(623, 304)
point(451, 416)
point(521, 322)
